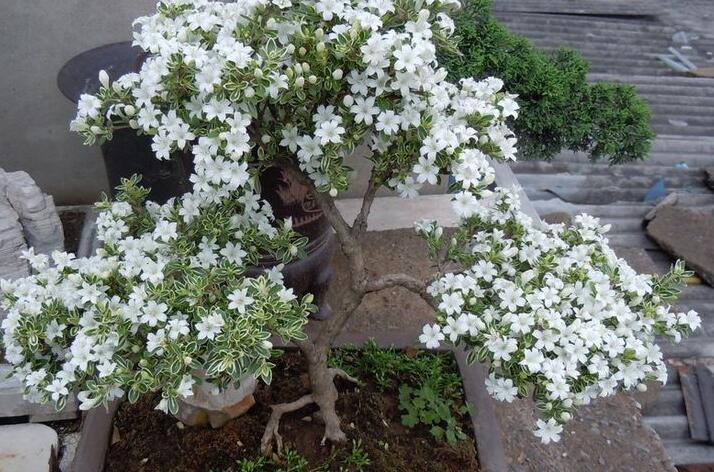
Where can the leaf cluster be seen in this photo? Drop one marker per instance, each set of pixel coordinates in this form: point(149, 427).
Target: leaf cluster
point(559, 109)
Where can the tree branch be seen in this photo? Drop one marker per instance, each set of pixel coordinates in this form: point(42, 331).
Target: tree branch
point(360, 224)
point(402, 280)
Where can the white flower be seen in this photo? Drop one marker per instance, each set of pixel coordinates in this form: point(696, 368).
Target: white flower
point(451, 303)
point(210, 326)
point(500, 388)
point(364, 109)
point(58, 389)
point(431, 335)
point(330, 132)
point(153, 313)
point(548, 431)
point(239, 300)
point(387, 122)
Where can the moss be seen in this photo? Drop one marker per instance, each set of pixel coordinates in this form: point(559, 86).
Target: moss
point(559, 109)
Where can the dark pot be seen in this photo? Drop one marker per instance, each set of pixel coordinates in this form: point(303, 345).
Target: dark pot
point(128, 154)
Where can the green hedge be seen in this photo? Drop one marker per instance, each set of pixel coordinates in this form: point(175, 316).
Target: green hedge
point(559, 109)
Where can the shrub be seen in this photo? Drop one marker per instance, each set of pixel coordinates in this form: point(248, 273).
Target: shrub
point(167, 297)
point(559, 110)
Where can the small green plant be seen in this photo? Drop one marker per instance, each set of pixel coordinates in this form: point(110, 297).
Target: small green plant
point(430, 389)
point(354, 459)
point(425, 406)
point(387, 367)
point(357, 460)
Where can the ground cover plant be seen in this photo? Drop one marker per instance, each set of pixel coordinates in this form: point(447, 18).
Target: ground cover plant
point(166, 303)
point(559, 109)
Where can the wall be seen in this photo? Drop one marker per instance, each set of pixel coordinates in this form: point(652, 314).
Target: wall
point(38, 37)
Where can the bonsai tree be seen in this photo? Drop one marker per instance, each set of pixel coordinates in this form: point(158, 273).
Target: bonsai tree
point(166, 300)
point(559, 109)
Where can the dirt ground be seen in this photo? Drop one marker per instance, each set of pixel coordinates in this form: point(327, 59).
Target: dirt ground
point(151, 441)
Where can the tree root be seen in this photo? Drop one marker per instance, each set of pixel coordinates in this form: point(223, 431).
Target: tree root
point(335, 372)
point(271, 429)
point(332, 433)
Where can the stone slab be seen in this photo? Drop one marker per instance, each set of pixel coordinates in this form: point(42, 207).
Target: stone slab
point(28, 448)
point(687, 235)
point(390, 213)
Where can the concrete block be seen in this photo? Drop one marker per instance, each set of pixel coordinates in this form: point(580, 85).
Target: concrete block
point(28, 448)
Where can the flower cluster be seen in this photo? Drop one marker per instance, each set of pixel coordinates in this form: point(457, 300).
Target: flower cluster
point(161, 301)
point(239, 86)
point(555, 312)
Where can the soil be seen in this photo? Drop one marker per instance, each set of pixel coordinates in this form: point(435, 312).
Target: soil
point(150, 440)
point(72, 222)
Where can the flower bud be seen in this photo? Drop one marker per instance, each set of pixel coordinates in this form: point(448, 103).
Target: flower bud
point(348, 100)
point(290, 49)
point(305, 67)
point(300, 82)
point(104, 78)
point(265, 138)
point(642, 387)
point(337, 74)
point(116, 87)
point(96, 129)
point(568, 402)
point(298, 68)
point(293, 250)
point(333, 192)
point(182, 35)
point(257, 73)
point(249, 92)
point(302, 51)
point(129, 110)
point(312, 79)
point(319, 33)
point(565, 416)
point(267, 344)
point(320, 48)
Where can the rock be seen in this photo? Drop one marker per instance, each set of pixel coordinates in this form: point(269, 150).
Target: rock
point(669, 200)
point(28, 448)
point(687, 235)
point(12, 240)
point(710, 177)
point(206, 408)
point(37, 213)
point(558, 217)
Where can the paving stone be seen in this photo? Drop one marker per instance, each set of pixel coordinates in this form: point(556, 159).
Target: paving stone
point(687, 235)
point(28, 448)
